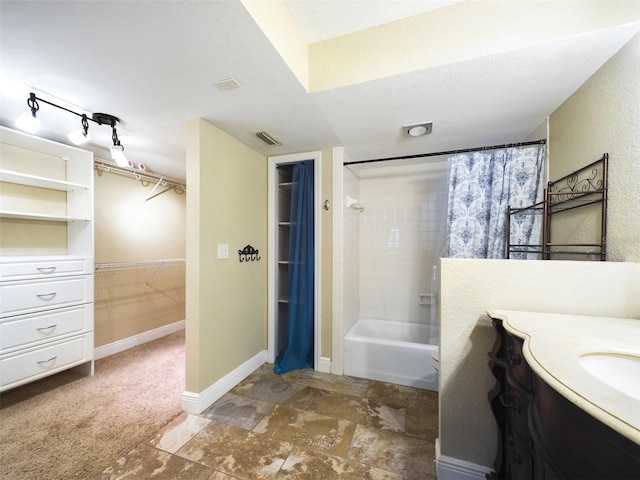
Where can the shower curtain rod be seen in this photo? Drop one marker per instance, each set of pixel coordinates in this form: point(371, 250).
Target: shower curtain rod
point(450, 152)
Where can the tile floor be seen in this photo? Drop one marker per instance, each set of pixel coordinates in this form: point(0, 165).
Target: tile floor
point(303, 425)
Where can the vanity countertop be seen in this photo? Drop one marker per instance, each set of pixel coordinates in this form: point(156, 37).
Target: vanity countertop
point(553, 347)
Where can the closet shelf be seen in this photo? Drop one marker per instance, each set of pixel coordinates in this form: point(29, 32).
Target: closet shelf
point(41, 217)
point(19, 178)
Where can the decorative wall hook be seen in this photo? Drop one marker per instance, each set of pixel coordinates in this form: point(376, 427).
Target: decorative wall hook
point(249, 254)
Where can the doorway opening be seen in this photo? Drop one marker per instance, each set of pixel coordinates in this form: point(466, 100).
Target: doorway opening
point(282, 275)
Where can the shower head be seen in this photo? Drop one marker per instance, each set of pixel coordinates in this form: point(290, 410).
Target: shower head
point(353, 204)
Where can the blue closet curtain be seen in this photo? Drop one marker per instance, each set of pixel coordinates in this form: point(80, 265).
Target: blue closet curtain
point(299, 350)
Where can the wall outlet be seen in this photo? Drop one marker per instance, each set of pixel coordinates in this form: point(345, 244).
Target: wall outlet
point(223, 251)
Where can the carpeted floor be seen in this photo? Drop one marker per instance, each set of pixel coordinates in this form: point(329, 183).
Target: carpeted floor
point(72, 427)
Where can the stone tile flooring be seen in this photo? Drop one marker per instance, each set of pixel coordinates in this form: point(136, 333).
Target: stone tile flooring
point(303, 425)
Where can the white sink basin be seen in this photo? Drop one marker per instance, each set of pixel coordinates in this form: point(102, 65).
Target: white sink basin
point(620, 371)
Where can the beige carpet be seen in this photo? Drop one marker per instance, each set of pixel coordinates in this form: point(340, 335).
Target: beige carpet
point(73, 427)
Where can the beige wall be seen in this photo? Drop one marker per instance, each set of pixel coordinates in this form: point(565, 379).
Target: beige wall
point(468, 287)
point(604, 116)
point(128, 229)
point(489, 28)
point(226, 299)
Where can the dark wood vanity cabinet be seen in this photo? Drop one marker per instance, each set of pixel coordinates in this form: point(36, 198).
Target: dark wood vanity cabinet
point(542, 434)
point(510, 402)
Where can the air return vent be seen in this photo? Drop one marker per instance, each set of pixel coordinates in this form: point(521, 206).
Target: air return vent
point(267, 138)
point(227, 84)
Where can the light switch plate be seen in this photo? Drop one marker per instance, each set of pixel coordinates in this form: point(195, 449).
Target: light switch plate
point(223, 251)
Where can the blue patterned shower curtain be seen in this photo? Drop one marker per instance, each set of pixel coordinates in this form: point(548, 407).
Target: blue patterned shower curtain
point(481, 187)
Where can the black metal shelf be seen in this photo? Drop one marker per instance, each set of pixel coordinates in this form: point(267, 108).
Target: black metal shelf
point(581, 188)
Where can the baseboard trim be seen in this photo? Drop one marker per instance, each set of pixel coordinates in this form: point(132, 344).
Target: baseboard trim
point(135, 340)
point(196, 403)
point(450, 468)
point(324, 365)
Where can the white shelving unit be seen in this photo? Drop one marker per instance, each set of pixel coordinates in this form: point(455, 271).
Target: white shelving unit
point(46, 258)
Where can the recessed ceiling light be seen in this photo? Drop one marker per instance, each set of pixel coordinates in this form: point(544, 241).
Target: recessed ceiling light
point(419, 129)
point(227, 84)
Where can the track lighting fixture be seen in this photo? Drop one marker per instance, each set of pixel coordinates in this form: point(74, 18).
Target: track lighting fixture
point(30, 124)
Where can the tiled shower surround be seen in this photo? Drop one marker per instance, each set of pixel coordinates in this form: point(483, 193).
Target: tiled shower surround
point(392, 245)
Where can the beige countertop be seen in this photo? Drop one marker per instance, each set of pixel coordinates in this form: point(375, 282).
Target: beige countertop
point(553, 346)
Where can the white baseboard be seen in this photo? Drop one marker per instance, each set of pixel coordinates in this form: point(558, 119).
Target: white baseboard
point(324, 365)
point(196, 403)
point(135, 340)
point(450, 468)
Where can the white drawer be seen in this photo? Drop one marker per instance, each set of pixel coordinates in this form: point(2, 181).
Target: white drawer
point(36, 328)
point(22, 268)
point(34, 363)
point(26, 297)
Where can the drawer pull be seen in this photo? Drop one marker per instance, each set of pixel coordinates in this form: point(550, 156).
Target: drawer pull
point(40, 329)
point(46, 296)
point(47, 361)
point(46, 269)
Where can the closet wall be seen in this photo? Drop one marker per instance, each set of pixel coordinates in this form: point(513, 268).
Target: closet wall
point(135, 291)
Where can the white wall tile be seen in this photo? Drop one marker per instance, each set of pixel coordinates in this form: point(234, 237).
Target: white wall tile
point(397, 239)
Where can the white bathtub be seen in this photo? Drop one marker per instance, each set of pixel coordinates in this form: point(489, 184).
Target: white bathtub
point(389, 351)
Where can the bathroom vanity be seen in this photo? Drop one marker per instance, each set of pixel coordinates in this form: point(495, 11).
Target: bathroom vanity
point(567, 396)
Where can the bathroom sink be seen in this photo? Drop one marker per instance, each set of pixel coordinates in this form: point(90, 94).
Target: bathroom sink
point(620, 371)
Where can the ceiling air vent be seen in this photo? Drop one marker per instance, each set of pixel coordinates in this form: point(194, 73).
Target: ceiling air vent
point(267, 138)
point(227, 84)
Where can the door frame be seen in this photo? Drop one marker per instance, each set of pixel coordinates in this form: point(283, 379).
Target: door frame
point(272, 225)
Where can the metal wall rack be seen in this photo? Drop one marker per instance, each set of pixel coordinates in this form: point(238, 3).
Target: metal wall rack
point(585, 186)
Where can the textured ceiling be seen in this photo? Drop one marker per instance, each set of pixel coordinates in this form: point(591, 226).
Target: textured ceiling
point(321, 20)
point(153, 65)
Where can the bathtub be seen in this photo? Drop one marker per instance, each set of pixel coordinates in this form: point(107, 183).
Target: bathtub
point(390, 351)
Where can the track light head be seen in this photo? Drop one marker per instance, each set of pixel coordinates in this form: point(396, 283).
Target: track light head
point(32, 102)
point(30, 123)
point(117, 154)
point(80, 137)
point(117, 150)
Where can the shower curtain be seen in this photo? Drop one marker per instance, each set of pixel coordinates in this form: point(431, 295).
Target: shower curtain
point(481, 187)
point(299, 350)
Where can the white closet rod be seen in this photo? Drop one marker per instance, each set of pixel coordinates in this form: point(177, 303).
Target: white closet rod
point(124, 266)
point(115, 266)
point(102, 165)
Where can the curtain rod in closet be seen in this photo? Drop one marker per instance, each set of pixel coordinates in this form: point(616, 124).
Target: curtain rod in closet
point(450, 152)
